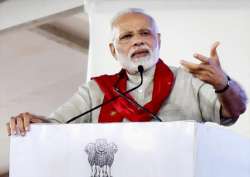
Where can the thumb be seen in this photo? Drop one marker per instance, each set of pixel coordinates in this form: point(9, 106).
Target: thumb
point(213, 51)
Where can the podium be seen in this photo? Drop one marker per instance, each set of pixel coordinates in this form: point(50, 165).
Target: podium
point(153, 149)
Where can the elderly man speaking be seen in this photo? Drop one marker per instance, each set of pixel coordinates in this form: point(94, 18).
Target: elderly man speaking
point(200, 92)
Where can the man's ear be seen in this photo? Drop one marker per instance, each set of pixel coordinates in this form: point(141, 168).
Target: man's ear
point(112, 50)
point(159, 39)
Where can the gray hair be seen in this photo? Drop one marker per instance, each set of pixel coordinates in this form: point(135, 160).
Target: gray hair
point(128, 11)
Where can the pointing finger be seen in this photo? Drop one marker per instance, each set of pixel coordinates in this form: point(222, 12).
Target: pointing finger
point(196, 68)
point(189, 66)
point(202, 58)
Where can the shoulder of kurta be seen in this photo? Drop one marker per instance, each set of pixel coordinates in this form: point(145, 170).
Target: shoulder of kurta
point(80, 101)
point(95, 92)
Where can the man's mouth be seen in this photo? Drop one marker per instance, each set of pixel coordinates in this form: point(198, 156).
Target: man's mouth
point(140, 53)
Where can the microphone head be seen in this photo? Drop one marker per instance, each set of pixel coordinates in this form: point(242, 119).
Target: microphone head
point(140, 69)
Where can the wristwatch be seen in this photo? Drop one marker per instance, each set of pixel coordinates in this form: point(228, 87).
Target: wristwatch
point(226, 87)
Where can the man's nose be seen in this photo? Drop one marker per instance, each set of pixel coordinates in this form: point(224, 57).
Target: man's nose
point(138, 42)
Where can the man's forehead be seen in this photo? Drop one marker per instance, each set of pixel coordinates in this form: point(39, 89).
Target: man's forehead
point(132, 21)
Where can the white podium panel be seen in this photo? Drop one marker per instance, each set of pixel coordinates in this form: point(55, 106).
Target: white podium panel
point(221, 153)
point(174, 149)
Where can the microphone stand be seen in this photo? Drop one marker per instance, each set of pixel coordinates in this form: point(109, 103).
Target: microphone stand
point(140, 69)
point(134, 102)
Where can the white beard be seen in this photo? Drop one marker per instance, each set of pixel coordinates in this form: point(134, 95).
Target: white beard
point(131, 64)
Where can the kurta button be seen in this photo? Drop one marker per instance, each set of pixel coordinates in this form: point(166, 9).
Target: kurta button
point(112, 113)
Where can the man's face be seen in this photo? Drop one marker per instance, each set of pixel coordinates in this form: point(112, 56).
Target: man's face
point(136, 42)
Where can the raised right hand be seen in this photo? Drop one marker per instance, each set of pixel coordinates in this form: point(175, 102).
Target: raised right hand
point(20, 124)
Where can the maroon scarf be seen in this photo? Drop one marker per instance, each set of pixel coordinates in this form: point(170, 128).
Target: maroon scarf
point(121, 108)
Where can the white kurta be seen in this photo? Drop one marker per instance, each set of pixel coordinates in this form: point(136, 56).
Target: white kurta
point(190, 99)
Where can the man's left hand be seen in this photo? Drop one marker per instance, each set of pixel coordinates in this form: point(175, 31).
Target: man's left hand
point(209, 70)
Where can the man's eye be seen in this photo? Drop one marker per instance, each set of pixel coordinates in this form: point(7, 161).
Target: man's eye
point(145, 33)
point(127, 36)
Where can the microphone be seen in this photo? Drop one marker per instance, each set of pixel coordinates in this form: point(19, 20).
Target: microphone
point(140, 69)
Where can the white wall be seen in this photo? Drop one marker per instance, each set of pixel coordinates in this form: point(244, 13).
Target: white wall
point(186, 27)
